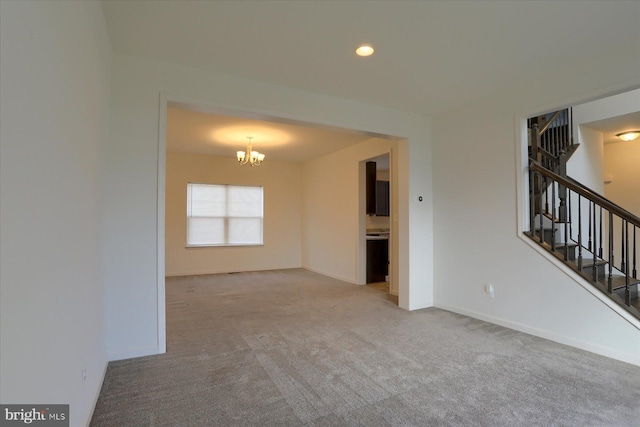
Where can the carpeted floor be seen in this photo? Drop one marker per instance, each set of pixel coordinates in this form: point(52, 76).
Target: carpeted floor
point(291, 348)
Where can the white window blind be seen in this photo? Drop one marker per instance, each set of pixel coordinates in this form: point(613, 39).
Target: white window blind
point(224, 215)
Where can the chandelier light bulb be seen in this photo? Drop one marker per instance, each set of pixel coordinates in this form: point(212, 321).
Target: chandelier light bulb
point(251, 157)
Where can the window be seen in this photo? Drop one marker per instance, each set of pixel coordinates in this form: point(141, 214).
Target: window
point(224, 215)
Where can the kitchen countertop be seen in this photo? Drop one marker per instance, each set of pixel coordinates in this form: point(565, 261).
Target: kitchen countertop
point(377, 234)
point(370, 237)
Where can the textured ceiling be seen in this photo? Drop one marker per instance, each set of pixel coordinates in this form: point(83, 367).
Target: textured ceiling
point(430, 55)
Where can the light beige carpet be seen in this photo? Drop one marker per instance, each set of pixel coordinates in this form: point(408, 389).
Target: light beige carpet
point(290, 348)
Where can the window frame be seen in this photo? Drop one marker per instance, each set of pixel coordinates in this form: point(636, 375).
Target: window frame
point(226, 217)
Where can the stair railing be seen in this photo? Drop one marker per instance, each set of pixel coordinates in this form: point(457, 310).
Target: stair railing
point(551, 146)
point(551, 120)
point(612, 243)
point(554, 137)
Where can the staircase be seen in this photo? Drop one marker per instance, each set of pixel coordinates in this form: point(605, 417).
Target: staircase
point(587, 232)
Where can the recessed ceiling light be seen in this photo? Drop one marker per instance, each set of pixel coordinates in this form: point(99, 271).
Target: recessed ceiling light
point(364, 50)
point(629, 135)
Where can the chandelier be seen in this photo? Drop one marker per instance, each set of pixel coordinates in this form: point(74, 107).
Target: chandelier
point(629, 136)
point(254, 158)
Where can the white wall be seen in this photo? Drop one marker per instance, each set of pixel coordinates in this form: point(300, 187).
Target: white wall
point(54, 79)
point(132, 181)
point(606, 107)
point(618, 159)
point(476, 222)
point(585, 165)
point(282, 184)
point(333, 223)
point(621, 162)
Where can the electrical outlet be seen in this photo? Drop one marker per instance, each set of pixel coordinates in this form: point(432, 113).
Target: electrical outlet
point(489, 290)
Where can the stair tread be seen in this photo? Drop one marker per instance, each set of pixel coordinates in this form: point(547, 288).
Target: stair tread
point(620, 282)
point(588, 262)
point(558, 244)
point(556, 220)
point(569, 244)
point(634, 301)
point(571, 149)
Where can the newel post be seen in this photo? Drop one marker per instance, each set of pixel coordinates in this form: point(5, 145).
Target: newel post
point(535, 180)
point(535, 144)
point(562, 190)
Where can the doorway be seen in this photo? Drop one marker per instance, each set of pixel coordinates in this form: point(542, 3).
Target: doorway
point(371, 150)
point(377, 217)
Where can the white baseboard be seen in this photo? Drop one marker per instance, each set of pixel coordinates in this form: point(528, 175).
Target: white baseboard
point(194, 273)
point(133, 353)
point(96, 394)
point(333, 276)
point(632, 358)
point(205, 272)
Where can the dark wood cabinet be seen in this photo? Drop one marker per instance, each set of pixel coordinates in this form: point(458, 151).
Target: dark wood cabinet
point(370, 183)
point(382, 198)
point(377, 192)
point(377, 260)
